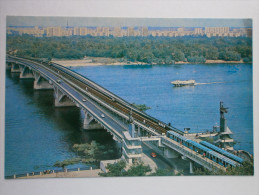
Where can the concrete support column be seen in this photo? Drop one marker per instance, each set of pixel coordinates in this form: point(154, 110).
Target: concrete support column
point(8, 66)
point(15, 68)
point(90, 123)
point(169, 153)
point(40, 83)
point(191, 167)
point(130, 161)
point(61, 100)
point(139, 131)
point(132, 130)
point(87, 120)
point(26, 73)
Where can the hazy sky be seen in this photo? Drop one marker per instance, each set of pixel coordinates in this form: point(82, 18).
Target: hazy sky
point(155, 22)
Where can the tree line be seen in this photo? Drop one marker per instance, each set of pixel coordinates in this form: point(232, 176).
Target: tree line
point(151, 50)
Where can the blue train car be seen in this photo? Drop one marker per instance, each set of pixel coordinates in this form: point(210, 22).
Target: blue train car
point(223, 152)
point(201, 149)
point(177, 137)
point(222, 160)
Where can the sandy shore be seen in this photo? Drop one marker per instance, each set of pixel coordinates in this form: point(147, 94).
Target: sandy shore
point(214, 62)
point(94, 61)
point(75, 63)
point(107, 61)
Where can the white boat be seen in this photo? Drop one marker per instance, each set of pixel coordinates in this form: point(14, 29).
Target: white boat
point(179, 83)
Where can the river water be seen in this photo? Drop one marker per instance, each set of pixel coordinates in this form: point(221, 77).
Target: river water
point(38, 134)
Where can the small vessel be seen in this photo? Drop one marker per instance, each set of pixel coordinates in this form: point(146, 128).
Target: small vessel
point(179, 83)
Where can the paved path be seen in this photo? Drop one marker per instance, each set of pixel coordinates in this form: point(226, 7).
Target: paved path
point(85, 174)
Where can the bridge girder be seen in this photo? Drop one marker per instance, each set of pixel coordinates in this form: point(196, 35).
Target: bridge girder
point(62, 99)
point(15, 68)
point(40, 83)
point(90, 123)
point(26, 72)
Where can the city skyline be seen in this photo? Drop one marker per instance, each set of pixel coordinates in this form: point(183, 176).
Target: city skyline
point(130, 31)
point(124, 22)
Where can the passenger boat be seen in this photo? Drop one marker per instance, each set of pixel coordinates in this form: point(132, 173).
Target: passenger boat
point(179, 83)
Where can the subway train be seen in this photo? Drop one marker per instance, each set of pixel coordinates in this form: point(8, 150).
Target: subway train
point(223, 152)
point(203, 150)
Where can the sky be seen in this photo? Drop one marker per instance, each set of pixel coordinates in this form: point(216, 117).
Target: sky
point(111, 22)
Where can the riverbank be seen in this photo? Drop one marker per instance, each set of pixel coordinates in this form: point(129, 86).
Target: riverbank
point(213, 62)
point(101, 61)
point(95, 61)
point(83, 174)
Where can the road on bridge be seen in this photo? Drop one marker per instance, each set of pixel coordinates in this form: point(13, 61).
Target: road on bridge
point(162, 162)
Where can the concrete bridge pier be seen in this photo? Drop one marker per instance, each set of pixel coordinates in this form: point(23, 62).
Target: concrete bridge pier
point(8, 66)
point(26, 73)
point(142, 132)
point(15, 68)
point(90, 123)
point(139, 133)
point(40, 83)
point(132, 130)
point(169, 153)
point(191, 167)
point(61, 99)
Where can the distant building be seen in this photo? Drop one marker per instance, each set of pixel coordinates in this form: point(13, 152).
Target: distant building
point(53, 31)
point(117, 32)
point(216, 31)
point(198, 31)
point(144, 31)
point(131, 31)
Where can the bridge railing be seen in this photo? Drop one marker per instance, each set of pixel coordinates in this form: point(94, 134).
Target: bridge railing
point(110, 94)
point(204, 161)
point(98, 87)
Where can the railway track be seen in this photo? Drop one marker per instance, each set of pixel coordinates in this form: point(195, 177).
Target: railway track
point(123, 107)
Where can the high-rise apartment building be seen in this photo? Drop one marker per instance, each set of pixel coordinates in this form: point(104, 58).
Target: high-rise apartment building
point(117, 32)
point(53, 31)
point(131, 31)
point(76, 31)
point(198, 31)
point(144, 31)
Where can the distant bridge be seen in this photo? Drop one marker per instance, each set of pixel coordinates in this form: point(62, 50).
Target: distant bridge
point(104, 109)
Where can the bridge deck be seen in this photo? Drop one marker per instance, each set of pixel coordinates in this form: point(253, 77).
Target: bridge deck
point(102, 94)
point(77, 96)
point(78, 88)
point(196, 157)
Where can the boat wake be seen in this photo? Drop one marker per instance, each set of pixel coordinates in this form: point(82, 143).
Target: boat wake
point(208, 83)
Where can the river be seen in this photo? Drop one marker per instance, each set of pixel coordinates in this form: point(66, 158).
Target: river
point(37, 134)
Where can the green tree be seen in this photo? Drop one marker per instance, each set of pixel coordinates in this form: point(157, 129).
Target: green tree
point(160, 50)
point(178, 56)
point(164, 172)
point(116, 169)
point(247, 168)
point(119, 169)
point(138, 170)
point(196, 59)
point(141, 107)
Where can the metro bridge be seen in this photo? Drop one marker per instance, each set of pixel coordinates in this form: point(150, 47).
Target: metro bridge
point(103, 109)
